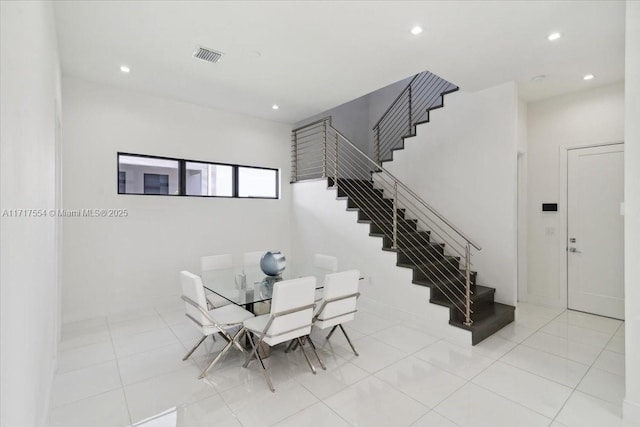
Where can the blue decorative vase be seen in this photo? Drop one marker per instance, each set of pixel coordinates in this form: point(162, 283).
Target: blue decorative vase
point(273, 263)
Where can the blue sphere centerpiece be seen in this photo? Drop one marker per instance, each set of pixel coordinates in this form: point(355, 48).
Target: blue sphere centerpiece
point(273, 263)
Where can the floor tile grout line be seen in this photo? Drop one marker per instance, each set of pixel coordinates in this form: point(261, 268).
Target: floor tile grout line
point(126, 400)
point(523, 370)
point(431, 408)
point(445, 417)
point(533, 373)
point(369, 375)
point(58, 372)
point(517, 403)
point(585, 374)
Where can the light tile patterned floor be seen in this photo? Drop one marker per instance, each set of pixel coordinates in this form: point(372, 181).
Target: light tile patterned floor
point(551, 367)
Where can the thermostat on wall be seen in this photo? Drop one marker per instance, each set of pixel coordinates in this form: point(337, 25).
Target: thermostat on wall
point(549, 207)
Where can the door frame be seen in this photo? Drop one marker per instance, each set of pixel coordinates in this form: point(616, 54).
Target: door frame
point(563, 212)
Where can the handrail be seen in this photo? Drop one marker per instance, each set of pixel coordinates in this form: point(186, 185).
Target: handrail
point(396, 211)
point(423, 93)
point(400, 183)
point(312, 124)
point(395, 101)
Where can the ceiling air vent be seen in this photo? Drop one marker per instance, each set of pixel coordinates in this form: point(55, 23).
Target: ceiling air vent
point(208, 55)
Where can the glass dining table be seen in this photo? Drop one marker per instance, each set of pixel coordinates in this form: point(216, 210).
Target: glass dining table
point(246, 286)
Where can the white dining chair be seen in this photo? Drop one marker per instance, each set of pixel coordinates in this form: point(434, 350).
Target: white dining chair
point(338, 304)
point(212, 263)
point(329, 264)
point(209, 322)
point(289, 319)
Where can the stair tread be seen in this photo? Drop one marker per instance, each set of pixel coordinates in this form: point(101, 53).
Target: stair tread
point(374, 209)
point(455, 279)
point(487, 320)
point(478, 292)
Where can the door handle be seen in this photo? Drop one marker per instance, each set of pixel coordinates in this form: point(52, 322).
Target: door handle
point(574, 250)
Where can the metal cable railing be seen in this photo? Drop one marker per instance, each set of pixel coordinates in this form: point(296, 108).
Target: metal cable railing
point(440, 256)
point(411, 107)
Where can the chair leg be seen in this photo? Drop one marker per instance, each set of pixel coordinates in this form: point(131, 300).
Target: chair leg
point(237, 338)
point(291, 343)
point(222, 353)
point(332, 330)
point(313, 368)
point(264, 369)
point(316, 352)
point(349, 340)
point(194, 348)
point(215, 360)
point(252, 353)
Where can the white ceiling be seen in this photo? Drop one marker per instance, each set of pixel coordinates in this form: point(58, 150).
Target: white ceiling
point(311, 56)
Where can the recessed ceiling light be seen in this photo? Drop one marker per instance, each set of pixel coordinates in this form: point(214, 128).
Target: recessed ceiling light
point(125, 69)
point(539, 78)
point(416, 30)
point(274, 107)
point(554, 36)
point(588, 77)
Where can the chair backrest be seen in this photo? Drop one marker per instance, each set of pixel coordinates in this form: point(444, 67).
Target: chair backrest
point(216, 262)
point(290, 295)
point(252, 259)
point(338, 309)
point(326, 262)
point(192, 288)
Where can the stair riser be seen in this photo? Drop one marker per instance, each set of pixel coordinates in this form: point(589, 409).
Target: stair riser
point(387, 227)
point(377, 215)
point(368, 193)
point(477, 306)
point(370, 203)
point(423, 254)
point(431, 267)
point(407, 241)
point(436, 271)
point(478, 302)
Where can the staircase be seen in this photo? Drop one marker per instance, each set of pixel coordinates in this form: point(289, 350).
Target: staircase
point(438, 253)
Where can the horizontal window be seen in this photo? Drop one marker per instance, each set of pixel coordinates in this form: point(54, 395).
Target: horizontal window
point(206, 179)
point(147, 175)
point(257, 182)
point(142, 174)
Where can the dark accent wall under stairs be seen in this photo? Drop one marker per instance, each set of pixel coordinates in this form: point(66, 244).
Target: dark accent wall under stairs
point(431, 265)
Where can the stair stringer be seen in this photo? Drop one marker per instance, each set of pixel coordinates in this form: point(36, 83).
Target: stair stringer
point(321, 224)
point(464, 164)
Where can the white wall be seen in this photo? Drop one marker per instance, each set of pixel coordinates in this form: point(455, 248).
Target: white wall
point(632, 215)
point(463, 163)
point(321, 224)
point(355, 119)
point(588, 117)
point(29, 83)
point(114, 264)
point(522, 201)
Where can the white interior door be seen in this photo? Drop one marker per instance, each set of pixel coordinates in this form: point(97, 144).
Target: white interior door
point(595, 240)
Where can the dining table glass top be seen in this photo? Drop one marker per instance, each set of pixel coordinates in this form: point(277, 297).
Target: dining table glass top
point(249, 285)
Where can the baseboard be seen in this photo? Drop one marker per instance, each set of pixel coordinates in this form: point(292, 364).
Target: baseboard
point(631, 413)
point(544, 301)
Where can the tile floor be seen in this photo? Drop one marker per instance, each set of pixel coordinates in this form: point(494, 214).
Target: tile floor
point(550, 368)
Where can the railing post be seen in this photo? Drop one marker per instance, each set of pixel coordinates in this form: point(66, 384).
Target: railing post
point(324, 150)
point(467, 268)
point(378, 144)
point(294, 149)
point(395, 216)
point(410, 108)
point(335, 165)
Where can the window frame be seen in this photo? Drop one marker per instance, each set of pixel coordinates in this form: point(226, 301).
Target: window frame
point(182, 177)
